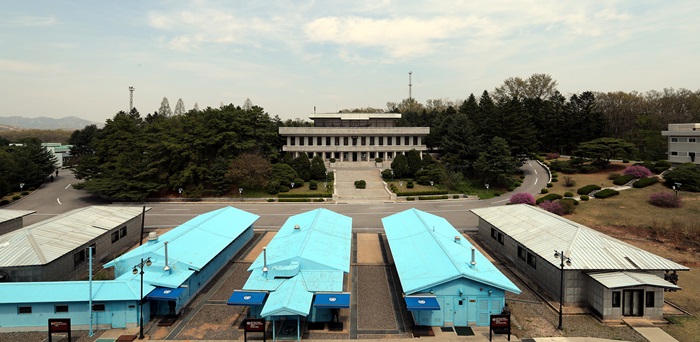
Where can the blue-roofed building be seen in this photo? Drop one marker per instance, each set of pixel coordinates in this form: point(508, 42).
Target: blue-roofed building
point(445, 280)
point(183, 260)
point(301, 272)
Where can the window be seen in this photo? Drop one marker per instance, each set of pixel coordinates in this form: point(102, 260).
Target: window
point(674, 139)
point(328, 141)
point(415, 140)
point(115, 237)
point(389, 140)
point(319, 141)
point(649, 299)
point(398, 141)
point(674, 153)
point(364, 141)
point(301, 141)
point(500, 238)
point(494, 233)
point(24, 309)
point(371, 141)
point(337, 141)
point(78, 257)
point(381, 141)
point(532, 260)
point(616, 299)
point(692, 140)
point(345, 141)
point(311, 141)
point(522, 253)
point(98, 307)
point(406, 140)
point(60, 308)
point(122, 232)
point(293, 141)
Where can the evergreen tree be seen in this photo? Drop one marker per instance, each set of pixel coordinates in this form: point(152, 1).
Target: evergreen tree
point(414, 161)
point(164, 109)
point(302, 166)
point(179, 107)
point(400, 166)
point(496, 163)
point(318, 168)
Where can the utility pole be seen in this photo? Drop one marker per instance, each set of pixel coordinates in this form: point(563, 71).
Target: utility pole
point(409, 85)
point(131, 98)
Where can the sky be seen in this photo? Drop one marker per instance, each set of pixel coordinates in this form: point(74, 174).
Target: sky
point(79, 58)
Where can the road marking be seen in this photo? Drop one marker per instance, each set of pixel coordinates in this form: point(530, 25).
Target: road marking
point(505, 200)
point(450, 205)
point(59, 201)
point(68, 186)
point(535, 181)
point(535, 171)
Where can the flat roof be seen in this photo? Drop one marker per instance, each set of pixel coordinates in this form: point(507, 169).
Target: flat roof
point(8, 214)
point(48, 240)
point(354, 116)
point(427, 253)
point(615, 280)
point(543, 232)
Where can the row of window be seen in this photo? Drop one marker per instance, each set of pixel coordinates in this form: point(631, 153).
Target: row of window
point(682, 140)
point(118, 234)
point(58, 308)
point(523, 254)
point(617, 299)
point(82, 255)
point(354, 123)
point(363, 141)
point(682, 153)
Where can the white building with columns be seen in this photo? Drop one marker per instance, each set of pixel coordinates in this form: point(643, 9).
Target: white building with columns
point(354, 137)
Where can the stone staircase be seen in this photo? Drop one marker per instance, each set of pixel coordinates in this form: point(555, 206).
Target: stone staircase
point(345, 177)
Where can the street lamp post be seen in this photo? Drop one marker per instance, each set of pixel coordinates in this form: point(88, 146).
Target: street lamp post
point(21, 186)
point(179, 191)
point(431, 183)
point(487, 185)
point(240, 194)
point(392, 175)
point(677, 187)
point(567, 260)
point(138, 269)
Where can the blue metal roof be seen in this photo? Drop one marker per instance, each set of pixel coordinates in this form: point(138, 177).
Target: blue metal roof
point(215, 230)
point(247, 298)
point(70, 291)
point(291, 298)
point(426, 253)
point(304, 260)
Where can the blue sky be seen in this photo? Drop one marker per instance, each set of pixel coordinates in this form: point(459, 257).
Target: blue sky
point(62, 58)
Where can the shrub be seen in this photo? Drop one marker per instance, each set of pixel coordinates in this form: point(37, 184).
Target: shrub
point(637, 171)
point(522, 176)
point(555, 179)
point(589, 169)
point(270, 199)
point(550, 197)
point(553, 207)
point(563, 166)
point(687, 174)
point(360, 184)
point(14, 198)
point(552, 155)
point(624, 179)
point(549, 185)
point(410, 184)
point(4, 202)
point(522, 197)
point(421, 193)
point(283, 188)
point(568, 204)
point(497, 194)
point(569, 181)
point(424, 198)
point(25, 193)
point(661, 166)
point(455, 196)
point(511, 187)
point(625, 161)
point(33, 188)
point(644, 182)
point(319, 200)
point(568, 194)
point(584, 197)
point(665, 200)
point(301, 195)
point(587, 189)
point(605, 193)
point(613, 175)
point(295, 200)
point(332, 160)
point(544, 191)
point(386, 174)
point(410, 198)
point(313, 185)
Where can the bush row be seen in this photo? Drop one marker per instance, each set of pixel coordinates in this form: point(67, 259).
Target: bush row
point(424, 198)
point(624, 179)
point(605, 193)
point(587, 189)
point(550, 197)
point(301, 200)
point(644, 182)
point(422, 193)
point(301, 195)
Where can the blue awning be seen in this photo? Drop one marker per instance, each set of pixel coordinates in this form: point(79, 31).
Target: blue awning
point(422, 303)
point(247, 298)
point(332, 300)
point(164, 293)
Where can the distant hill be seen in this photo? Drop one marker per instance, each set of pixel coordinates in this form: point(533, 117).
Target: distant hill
point(68, 123)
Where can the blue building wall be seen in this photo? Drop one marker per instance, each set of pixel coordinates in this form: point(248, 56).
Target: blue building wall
point(117, 314)
point(463, 302)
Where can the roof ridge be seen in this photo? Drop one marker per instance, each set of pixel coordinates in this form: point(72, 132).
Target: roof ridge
point(432, 233)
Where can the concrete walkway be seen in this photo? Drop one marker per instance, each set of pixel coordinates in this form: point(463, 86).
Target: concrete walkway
point(345, 178)
point(647, 329)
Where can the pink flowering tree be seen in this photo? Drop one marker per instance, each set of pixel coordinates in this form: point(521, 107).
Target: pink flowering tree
point(638, 171)
point(553, 207)
point(522, 197)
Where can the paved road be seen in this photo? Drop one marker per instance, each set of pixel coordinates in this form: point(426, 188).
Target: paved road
point(58, 197)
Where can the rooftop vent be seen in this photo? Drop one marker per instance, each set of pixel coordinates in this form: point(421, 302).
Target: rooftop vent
point(473, 263)
point(296, 227)
point(152, 237)
point(458, 239)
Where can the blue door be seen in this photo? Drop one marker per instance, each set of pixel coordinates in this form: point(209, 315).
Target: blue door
point(448, 311)
point(483, 312)
point(460, 307)
point(472, 310)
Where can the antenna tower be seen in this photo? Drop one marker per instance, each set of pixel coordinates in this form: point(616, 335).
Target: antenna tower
point(409, 84)
point(131, 99)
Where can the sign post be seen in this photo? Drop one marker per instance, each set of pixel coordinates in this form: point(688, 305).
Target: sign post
point(254, 325)
point(59, 325)
point(500, 324)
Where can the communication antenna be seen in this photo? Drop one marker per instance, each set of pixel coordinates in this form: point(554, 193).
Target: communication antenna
point(131, 99)
point(409, 84)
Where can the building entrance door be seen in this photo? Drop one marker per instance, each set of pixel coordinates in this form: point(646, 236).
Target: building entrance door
point(632, 303)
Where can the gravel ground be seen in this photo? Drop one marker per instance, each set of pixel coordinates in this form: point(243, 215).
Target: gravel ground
point(235, 281)
point(374, 308)
point(77, 336)
point(213, 322)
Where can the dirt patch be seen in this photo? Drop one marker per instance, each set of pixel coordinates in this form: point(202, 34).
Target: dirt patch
point(368, 250)
point(257, 250)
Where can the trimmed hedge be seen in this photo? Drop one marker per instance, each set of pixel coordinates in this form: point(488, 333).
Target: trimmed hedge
point(549, 185)
point(568, 194)
point(624, 179)
point(455, 196)
point(360, 184)
point(588, 189)
point(302, 195)
point(422, 193)
point(270, 199)
point(605, 193)
point(544, 191)
point(644, 182)
point(294, 200)
point(585, 197)
point(550, 197)
point(14, 198)
point(25, 193)
point(424, 198)
point(4, 202)
point(409, 198)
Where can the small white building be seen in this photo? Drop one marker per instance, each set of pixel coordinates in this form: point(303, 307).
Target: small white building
point(608, 277)
point(683, 142)
point(354, 137)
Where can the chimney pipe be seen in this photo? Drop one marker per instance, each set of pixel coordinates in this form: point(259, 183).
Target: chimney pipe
point(458, 239)
point(166, 268)
point(264, 259)
point(473, 263)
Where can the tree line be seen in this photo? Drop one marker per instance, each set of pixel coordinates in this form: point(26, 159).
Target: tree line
point(26, 163)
